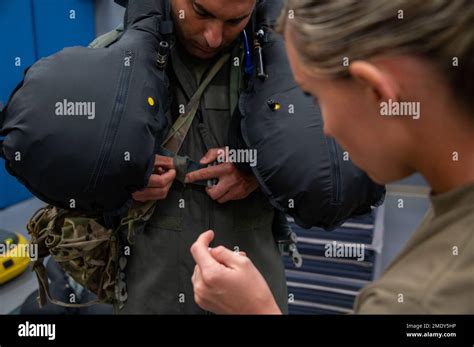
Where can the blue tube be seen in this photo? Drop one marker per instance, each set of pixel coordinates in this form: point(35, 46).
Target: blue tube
point(249, 68)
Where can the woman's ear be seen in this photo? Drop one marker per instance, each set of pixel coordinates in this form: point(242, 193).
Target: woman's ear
point(379, 81)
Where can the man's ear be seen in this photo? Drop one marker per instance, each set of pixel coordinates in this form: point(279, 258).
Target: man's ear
point(379, 81)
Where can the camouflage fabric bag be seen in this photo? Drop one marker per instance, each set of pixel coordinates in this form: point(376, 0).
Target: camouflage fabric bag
point(86, 250)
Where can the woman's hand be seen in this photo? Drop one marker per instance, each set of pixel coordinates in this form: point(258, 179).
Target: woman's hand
point(226, 282)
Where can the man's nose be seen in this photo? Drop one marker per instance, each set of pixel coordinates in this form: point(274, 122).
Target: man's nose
point(214, 34)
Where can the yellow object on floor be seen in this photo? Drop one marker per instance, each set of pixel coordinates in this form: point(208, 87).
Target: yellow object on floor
point(14, 255)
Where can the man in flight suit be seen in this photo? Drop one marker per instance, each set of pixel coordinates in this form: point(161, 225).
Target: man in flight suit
point(160, 266)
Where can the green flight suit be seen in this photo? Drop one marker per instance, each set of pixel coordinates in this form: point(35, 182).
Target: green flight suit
point(160, 266)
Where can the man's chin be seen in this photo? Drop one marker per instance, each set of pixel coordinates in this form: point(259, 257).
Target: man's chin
point(201, 54)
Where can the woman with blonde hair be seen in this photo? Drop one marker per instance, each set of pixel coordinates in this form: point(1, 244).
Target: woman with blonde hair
point(395, 81)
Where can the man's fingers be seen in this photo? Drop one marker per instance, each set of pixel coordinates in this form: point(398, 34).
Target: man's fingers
point(156, 181)
point(158, 187)
point(230, 196)
point(163, 180)
point(211, 156)
point(219, 191)
point(169, 176)
point(200, 250)
point(227, 257)
point(150, 194)
point(164, 162)
point(207, 173)
point(159, 170)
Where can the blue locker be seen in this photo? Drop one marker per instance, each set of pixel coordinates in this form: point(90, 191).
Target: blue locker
point(11, 191)
point(30, 30)
point(17, 53)
point(16, 37)
point(62, 23)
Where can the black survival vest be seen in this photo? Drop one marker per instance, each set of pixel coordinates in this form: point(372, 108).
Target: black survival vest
point(84, 125)
point(81, 129)
point(303, 172)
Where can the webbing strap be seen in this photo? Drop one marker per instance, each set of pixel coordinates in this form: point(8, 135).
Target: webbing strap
point(44, 293)
point(183, 165)
point(180, 128)
point(236, 81)
point(108, 39)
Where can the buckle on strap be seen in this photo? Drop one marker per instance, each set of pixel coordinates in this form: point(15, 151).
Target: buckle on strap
point(185, 165)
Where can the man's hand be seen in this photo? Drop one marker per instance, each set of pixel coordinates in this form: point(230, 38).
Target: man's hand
point(160, 182)
point(233, 183)
point(227, 282)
